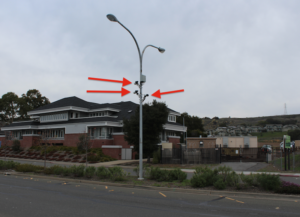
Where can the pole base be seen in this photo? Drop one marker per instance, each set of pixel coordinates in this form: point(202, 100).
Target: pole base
point(140, 178)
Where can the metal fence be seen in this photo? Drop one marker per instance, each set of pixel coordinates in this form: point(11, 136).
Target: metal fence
point(190, 156)
point(289, 160)
point(243, 155)
point(212, 155)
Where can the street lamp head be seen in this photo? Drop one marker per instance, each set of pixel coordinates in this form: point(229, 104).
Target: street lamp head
point(112, 17)
point(161, 50)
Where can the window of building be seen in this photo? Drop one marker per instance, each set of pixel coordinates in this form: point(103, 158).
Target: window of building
point(76, 115)
point(172, 118)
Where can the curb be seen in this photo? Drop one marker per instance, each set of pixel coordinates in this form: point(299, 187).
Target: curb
point(176, 190)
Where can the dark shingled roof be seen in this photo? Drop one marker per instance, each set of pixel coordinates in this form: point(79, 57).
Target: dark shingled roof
point(124, 113)
point(68, 101)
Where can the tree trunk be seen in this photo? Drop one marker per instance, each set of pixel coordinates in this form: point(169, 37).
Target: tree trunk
point(148, 159)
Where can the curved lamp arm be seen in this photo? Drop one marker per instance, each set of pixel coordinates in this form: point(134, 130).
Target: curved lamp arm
point(112, 18)
point(137, 45)
point(161, 50)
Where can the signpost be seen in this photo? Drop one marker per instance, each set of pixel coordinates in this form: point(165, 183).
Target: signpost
point(287, 146)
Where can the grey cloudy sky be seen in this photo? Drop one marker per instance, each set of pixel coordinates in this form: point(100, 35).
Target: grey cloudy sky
point(232, 58)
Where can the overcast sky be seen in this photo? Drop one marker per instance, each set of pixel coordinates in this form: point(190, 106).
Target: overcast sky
point(232, 58)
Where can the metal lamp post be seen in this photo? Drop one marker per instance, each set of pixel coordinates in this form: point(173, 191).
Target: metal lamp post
point(140, 85)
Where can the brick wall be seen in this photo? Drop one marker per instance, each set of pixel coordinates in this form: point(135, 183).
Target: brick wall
point(29, 141)
point(174, 141)
point(120, 140)
point(97, 143)
point(113, 152)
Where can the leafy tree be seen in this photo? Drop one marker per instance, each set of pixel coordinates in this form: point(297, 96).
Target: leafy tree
point(294, 134)
point(197, 133)
point(223, 124)
point(84, 144)
point(155, 114)
point(33, 99)
point(9, 106)
point(193, 124)
point(44, 143)
point(16, 145)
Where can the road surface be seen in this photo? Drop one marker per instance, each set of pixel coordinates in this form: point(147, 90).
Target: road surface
point(22, 196)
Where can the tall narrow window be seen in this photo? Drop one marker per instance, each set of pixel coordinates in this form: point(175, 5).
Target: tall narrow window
point(76, 115)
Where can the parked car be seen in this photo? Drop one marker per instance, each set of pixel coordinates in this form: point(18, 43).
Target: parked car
point(292, 146)
point(266, 149)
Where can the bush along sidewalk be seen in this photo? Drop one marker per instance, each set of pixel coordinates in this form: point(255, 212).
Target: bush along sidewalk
point(220, 178)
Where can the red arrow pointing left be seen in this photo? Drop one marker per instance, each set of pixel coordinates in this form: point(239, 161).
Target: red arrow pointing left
point(123, 91)
point(158, 93)
point(124, 81)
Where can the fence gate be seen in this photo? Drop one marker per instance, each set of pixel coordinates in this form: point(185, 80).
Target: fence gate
point(126, 154)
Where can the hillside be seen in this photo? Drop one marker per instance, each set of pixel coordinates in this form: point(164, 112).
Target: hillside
point(214, 123)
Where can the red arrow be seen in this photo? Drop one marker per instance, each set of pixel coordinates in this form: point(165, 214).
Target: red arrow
point(158, 93)
point(123, 91)
point(124, 82)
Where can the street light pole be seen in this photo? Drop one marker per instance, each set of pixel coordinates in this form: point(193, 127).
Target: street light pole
point(140, 85)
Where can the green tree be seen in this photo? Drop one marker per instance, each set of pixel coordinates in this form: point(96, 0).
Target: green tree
point(294, 134)
point(155, 114)
point(9, 107)
point(223, 124)
point(193, 123)
point(33, 99)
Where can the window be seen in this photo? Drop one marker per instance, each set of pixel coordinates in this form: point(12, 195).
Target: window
point(76, 115)
point(172, 118)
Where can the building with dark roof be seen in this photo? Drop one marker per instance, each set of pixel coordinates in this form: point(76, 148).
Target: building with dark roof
point(69, 117)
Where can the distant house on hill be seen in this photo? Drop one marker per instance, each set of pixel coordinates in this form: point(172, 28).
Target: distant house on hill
point(290, 127)
point(274, 127)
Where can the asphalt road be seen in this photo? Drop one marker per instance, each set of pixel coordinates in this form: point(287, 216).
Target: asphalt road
point(189, 175)
point(22, 196)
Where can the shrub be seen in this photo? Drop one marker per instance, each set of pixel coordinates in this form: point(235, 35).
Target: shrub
point(66, 171)
point(89, 172)
point(198, 181)
point(269, 182)
point(288, 188)
point(58, 170)
point(77, 171)
point(177, 174)
point(16, 145)
point(8, 164)
point(220, 184)
point(116, 173)
point(155, 158)
point(250, 180)
point(157, 174)
point(93, 158)
point(232, 179)
point(102, 172)
point(28, 168)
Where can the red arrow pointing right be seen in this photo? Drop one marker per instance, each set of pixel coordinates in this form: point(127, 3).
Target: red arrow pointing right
point(158, 93)
point(123, 91)
point(124, 81)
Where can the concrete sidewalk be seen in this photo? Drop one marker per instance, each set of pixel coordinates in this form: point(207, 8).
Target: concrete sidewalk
point(106, 164)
